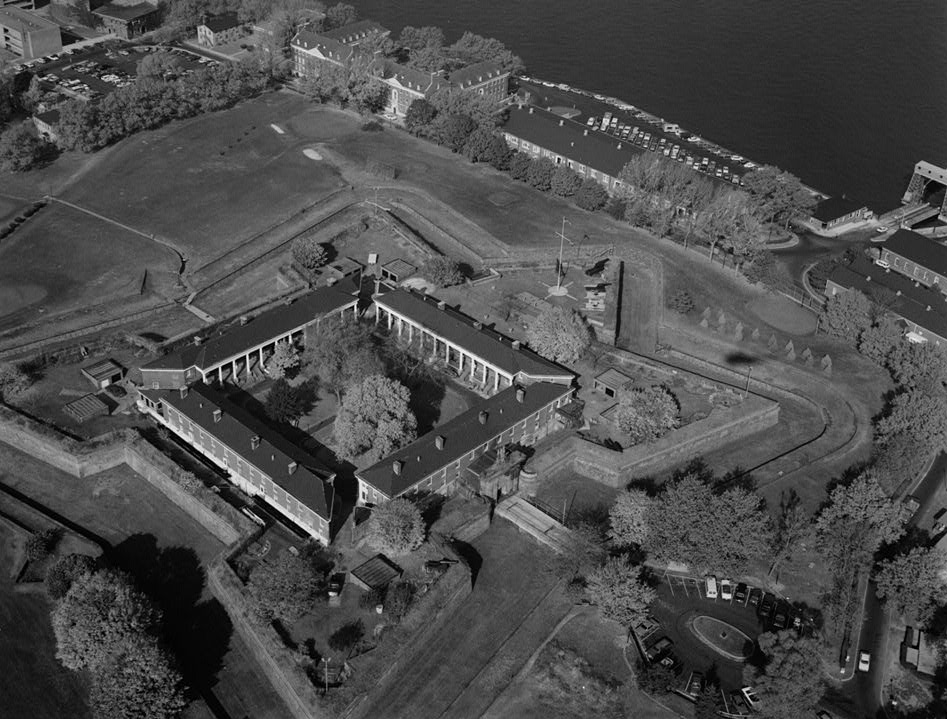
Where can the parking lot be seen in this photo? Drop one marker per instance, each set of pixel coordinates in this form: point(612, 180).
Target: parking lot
point(93, 73)
point(670, 637)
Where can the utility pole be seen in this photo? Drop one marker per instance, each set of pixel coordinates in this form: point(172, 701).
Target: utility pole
point(746, 391)
point(562, 239)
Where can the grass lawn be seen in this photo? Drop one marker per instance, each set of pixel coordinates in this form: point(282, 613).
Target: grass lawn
point(35, 683)
point(62, 259)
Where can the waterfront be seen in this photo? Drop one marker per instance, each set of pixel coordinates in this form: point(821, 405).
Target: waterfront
point(847, 95)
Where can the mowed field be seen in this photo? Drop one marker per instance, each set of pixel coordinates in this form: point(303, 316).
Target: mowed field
point(209, 183)
point(62, 259)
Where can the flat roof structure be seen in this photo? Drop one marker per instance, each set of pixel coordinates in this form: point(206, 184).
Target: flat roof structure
point(835, 207)
point(398, 269)
point(106, 369)
point(614, 379)
point(377, 572)
point(86, 408)
point(355, 32)
point(224, 21)
point(126, 13)
point(24, 21)
point(919, 249)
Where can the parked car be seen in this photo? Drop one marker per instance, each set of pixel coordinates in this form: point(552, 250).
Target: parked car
point(656, 650)
point(710, 585)
point(749, 696)
point(695, 685)
point(726, 590)
point(781, 616)
point(766, 606)
point(740, 594)
point(753, 598)
point(736, 705)
point(883, 264)
point(644, 628)
point(864, 661)
point(336, 582)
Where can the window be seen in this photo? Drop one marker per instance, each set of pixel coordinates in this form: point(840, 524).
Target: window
point(154, 385)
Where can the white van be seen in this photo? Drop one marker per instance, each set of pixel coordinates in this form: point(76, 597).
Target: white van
point(711, 585)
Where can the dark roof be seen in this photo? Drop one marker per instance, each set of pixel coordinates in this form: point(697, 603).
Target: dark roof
point(259, 330)
point(399, 267)
point(475, 74)
point(355, 31)
point(917, 248)
point(224, 21)
point(459, 329)
point(835, 207)
point(126, 13)
point(377, 572)
point(85, 408)
point(309, 483)
point(570, 139)
point(103, 370)
point(462, 434)
point(411, 78)
point(50, 117)
point(24, 21)
point(909, 301)
point(309, 40)
point(613, 378)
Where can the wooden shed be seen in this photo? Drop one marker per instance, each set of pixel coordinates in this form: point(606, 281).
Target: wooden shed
point(102, 374)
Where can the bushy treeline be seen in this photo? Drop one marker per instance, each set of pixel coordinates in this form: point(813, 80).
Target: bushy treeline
point(149, 103)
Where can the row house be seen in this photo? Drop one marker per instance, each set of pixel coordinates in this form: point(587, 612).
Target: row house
point(311, 49)
point(486, 357)
point(407, 84)
point(486, 79)
point(922, 259)
point(258, 460)
point(242, 349)
point(441, 460)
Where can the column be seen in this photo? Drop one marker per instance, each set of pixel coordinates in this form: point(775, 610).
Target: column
point(447, 352)
point(410, 333)
point(496, 380)
point(485, 374)
point(389, 321)
point(460, 362)
point(220, 374)
point(473, 368)
point(248, 364)
point(234, 369)
point(377, 314)
point(400, 327)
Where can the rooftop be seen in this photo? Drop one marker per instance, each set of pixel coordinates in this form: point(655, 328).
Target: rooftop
point(909, 301)
point(355, 31)
point(570, 139)
point(23, 21)
point(460, 435)
point(269, 324)
point(835, 207)
point(290, 467)
point(917, 248)
point(459, 329)
point(50, 117)
point(613, 378)
point(475, 74)
point(224, 21)
point(377, 572)
point(103, 370)
point(127, 13)
point(86, 407)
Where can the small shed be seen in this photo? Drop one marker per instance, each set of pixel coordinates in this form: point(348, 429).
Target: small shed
point(611, 382)
point(102, 374)
point(397, 270)
point(343, 267)
point(377, 572)
point(86, 407)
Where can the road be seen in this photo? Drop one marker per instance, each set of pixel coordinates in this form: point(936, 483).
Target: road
point(861, 696)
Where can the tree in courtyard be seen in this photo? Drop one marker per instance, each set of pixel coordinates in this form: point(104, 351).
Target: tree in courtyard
point(21, 148)
point(285, 357)
point(374, 419)
point(918, 413)
point(285, 403)
point(309, 253)
point(880, 340)
point(648, 413)
point(66, 570)
point(793, 526)
point(620, 592)
point(342, 352)
point(396, 527)
point(912, 584)
point(442, 271)
point(792, 679)
point(628, 518)
point(591, 195)
point(540, 173)
point(565, 182)
point(847, 315)
point(286, 588)
point(419, 116)
point(98, 613)
point(918, 366)
point(559, 334)
point(137, 680)
point(347, 637)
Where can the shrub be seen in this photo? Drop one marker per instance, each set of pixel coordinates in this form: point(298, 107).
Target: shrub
point(396, 527)
point(591, 195)
point(347, 637)
point(681, 302)
point(398, 600)
point(309, 253)
point(539, 175)
point(442, 271)
point(61, 575)
point(41, 544)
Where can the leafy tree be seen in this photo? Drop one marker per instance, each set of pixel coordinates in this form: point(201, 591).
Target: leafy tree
point(764, 269)
point(137, 680)
point(777, 195)
point(396, 527)
point(61, 575)
point(442, 271)
point(479, 145)
point(499, 154)
point(619, 591)
point(912, 584)
point(419, 116)
point(339, 15)
point(398, 600)
point(728, 221)
point(309, 253)
point(157, 65)
point(347, 637)
point(33, 95)
point(586, 551)
point(847, 315)
point(629, 518)
point(285, 403)
point(100, 612)
point(591, 195)
point(792, 679)
point(342, 353)
point(647, 414)
point(285, 357)
point(880, 340)
point(285, 589)
point(451, 100)
point(520, 163)
point(368, 95)
point(918, 413)
point(419, 38)
point(41, 544)
point(918, 366)
point(452, 130)
point(540, 173)
point(709, 702)
point(565, 182)
point(793, 526)
point(559, 334)
point(655, 678)
point(471, 48)
point(897, 461)
point(374, 419)
point(21, 148)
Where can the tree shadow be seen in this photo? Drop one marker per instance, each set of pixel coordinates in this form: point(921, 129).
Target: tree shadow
point(198, 632)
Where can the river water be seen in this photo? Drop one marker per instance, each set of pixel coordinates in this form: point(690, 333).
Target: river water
point(846, 94)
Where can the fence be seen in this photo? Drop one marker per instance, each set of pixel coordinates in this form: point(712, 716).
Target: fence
point(560, 514)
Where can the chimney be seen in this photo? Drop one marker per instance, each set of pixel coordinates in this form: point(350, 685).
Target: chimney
point(244, 319)
point(197, 341)
point(218, 414)
point(520, 394)
point(619, 145)
point(183, 392)
point(254, 441)
point(396, 466)
point(478, 325)
point(516, 344)
point(292, 467)
point(439, 441)
point(561, 123)
point(442, 305)
point(482, 416)
point(530, 111)
point(928, 308)
point(585, 132)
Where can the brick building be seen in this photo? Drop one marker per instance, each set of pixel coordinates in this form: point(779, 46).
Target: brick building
point(219, 29)
point(128, 21)
point(918, 257)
